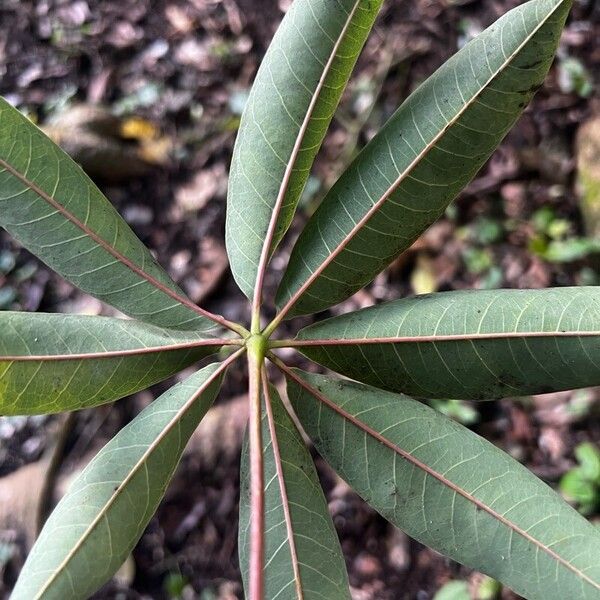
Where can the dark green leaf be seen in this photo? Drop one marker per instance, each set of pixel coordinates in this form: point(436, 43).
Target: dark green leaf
point(96, 525)
point(469, 344)
point(449, 488)
point(292, 101)
point(49, 205)
point(53, 363)
point(303, 559)
point(422, 158)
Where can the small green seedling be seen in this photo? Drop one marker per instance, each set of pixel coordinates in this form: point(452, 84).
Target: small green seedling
point(554, 241)
point(453, 590)
point(581, 485)
point(425, 473)
point(487, 589)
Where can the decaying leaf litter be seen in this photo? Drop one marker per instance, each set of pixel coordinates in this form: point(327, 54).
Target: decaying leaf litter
point(186, 66)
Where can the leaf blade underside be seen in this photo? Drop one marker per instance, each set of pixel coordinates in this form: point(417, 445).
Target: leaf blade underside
point(473, 345)
point(98, 522)
point(53, 209)
point(421, 159)
point(450, 489)
point(291, 104)
point(303, 559)
point(52, 363)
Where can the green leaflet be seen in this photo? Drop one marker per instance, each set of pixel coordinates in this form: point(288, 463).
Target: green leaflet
point(450, 489)
point(52, 363)
point(51, 207)
point(318, 570)
point(96, 525)
point(292, 102)
point(473, 345)
point(422, 158)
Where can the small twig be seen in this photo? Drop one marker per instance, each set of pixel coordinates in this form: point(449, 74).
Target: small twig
point(56, 459)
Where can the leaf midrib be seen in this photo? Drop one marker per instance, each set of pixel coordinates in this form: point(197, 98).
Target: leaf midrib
point(282, 487)
point(283, 189)
point(406, 173)
point(120, 353)
point(433, 473)
point(108, 247)
point(138, 465)
point(458, 337)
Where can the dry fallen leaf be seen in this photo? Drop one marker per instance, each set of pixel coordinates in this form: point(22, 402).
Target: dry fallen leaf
point(588, 174)
point(106, 146)
point(423, 279)
point(20, 494)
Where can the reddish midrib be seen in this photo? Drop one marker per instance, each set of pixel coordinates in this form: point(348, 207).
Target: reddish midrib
point(459, 337)
point(431, 472)
point(266, 249)
point(113, 251)
point(256, 585)
point(119, 353)
point(282, 487)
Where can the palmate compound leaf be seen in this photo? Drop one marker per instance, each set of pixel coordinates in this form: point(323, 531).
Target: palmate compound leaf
point(467, 344)
point(422, 158)
point(96, 525)
point(51, 207)
point(450, 489)
point(303, 559)
point(292, 102)
point(52, 363)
